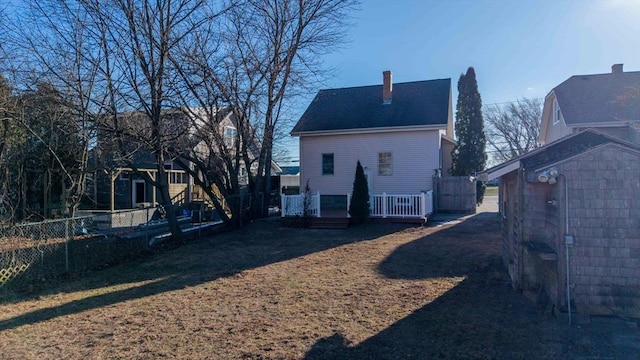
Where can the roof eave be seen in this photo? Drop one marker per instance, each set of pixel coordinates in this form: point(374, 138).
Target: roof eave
point(369, 130)
point(499, 171)
point(603, 124)
point(446, 138)
point(507, 167)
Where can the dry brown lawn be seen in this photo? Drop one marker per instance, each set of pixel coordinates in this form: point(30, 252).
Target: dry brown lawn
point(379, 291)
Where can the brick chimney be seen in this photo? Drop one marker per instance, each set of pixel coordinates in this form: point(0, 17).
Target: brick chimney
point(616, 68)
point(387, 87)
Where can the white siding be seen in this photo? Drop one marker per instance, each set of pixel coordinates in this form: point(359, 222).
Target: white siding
point(553, 130)
point(415, 157)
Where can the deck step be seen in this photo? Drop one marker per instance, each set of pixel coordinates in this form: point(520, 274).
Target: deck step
point(329, 223)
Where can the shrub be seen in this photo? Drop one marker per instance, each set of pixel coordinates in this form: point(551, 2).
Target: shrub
point(359, 207)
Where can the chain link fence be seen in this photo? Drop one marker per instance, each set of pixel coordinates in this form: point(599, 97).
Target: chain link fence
point(36, 252)
point(24, 247)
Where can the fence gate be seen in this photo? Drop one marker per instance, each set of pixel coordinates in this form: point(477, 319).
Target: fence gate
point(454, 194)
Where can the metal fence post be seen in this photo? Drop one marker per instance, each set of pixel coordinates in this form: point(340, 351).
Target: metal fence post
point(146, 231)
point(66, 244)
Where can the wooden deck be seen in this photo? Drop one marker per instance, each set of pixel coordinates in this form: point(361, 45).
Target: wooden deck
point(331, 219)
point(339, 219)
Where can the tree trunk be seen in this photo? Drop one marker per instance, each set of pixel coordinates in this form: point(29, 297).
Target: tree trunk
point(165, 197)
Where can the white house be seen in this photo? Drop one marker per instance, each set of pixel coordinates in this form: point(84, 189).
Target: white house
point(401, 134)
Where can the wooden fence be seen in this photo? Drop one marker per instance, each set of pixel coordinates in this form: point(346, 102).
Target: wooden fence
point(454, 194)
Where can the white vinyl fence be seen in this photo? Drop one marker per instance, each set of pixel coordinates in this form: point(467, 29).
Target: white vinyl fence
point(382, 205)
point(415, 205)
point(294, 205)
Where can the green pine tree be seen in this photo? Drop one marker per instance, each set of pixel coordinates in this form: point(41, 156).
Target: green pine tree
point(469, 156)
point(359, 207)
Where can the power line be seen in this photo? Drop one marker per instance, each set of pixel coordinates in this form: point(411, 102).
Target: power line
point(511, 102)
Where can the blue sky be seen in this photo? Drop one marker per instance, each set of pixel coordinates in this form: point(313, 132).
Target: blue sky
point(518, 48)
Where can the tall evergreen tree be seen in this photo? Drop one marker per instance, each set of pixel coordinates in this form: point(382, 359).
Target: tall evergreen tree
point(359, 207)
point(469, 156)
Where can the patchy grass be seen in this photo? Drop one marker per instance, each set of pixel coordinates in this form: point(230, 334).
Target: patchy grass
point(380, 291)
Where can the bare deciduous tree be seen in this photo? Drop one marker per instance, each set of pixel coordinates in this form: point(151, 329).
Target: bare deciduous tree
point(513, 128)
point(270, 53)
point(140, 37)
point(59, 50)
point(11, 140)
point(127, 68)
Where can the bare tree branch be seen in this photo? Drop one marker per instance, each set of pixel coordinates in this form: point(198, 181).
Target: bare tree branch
point(513, 128)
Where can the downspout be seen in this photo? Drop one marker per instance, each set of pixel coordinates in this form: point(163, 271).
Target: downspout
point(568, 240)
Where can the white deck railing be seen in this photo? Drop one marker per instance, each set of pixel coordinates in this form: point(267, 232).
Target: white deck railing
point(294, 205)
point(382, 205)
point(390, 205)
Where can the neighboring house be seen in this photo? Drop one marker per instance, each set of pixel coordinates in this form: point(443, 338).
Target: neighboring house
point(123, 188)
point(607, 102)
point(116, 187)
point(401, 134)
point(289, 180)
point(570, 223)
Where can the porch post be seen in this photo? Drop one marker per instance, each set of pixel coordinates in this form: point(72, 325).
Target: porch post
point(423, 204)
point(318, 202)
point(189, 186)
point(384, 205)
point(112, 192)
point(155, 189)
point(348, 204)
point(283, 205)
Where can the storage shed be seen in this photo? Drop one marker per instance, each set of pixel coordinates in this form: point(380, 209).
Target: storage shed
point(571, 223)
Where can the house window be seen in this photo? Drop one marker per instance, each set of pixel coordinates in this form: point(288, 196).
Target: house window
point(556, 113)
point(385, 164)
point(178, 177)
point(327, 164)
point(230, 134)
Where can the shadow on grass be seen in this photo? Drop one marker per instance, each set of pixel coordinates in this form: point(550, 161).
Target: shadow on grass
point(467, 322)
point(197, 262)
point(454, 251)
point(482, 317)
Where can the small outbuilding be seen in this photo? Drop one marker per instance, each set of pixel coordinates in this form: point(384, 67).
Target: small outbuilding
point(571, 223)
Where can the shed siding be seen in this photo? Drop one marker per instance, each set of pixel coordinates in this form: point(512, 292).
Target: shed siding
point(510, 208)
point(604, 217)
point(415, 157)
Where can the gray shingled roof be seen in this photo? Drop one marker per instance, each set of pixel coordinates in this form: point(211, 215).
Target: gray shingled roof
point(588, 99)
point(414, 104)
point(560, 150)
